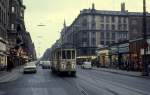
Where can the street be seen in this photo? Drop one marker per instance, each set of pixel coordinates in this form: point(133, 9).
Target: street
point(87, 82)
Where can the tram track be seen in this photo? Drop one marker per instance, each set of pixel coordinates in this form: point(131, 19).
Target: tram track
point(73, 82)
point(91, 78)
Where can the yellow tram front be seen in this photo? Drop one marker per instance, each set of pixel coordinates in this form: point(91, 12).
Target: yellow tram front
point(64, 61)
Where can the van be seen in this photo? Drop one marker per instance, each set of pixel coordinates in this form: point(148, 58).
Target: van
point(86, 65)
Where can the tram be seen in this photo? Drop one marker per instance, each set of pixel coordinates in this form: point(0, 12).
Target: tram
point(64, 61)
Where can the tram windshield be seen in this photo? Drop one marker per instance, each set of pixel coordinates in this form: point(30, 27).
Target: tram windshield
point(68, 54)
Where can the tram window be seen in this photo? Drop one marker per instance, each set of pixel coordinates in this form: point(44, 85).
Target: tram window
point(73, 54)
point(59, 55)
point(63, 55)
point(68, 54)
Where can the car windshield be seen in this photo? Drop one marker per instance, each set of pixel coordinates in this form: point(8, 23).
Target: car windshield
point(74, 47)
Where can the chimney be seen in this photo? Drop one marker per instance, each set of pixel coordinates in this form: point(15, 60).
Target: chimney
point(123, 9)
point(93, 6)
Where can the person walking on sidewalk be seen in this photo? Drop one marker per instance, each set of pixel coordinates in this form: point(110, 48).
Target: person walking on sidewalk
point(10, 64)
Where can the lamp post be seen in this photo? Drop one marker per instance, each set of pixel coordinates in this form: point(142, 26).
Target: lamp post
point(145, 65)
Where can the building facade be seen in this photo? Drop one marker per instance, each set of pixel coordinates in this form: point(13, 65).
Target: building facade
point(95, 28)
point(15, 42)
point(16, 23)
point(99, 28)
point(4, 4)
point(137, 44)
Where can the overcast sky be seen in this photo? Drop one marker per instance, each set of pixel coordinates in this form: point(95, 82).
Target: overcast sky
point(52, 13)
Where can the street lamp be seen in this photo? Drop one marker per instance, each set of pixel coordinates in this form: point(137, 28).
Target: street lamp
point(145, 65)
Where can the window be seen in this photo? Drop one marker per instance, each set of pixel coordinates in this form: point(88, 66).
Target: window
point(119, 19)
point(12, 9)
point(84, 23)
point(107, 27)
point(120, 27)
point(125, 27)
point(102, 35)
point(84, 39)
point(102, 18)
point(93, 25)
point(107, 35)
point(124, 20)
point(85, 34)
point(93, 34)
point(102, 43)
point(107, 42)
point(12, 26)
point(102, 26)
point(93, 22)
point(73, 54)
point(108, 19)
point(58, 55)
point(112, 42)
point(68, 54)
point(93, 41)
point(85, 52)
point(93, 51)
point(113, 27)
point(113, 36)
point(113, 19)
point(63, 55)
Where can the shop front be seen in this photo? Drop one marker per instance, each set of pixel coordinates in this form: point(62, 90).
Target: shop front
point(123, 56)
point(103, 57)
point(113, 55)
point(3, 56)
point(146, 59)
point(136, 54)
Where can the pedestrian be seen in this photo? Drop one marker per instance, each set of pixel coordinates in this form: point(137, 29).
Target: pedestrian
point(9, 64)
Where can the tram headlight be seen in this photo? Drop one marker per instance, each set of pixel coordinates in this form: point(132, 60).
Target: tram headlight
point(63, 66)
point(73, 66)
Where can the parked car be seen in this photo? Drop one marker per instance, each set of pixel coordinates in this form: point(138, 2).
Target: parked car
point(46, 65)
point(30, 68)
point(86, 65)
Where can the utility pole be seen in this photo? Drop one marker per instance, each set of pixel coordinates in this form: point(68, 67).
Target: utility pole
point(145, 64)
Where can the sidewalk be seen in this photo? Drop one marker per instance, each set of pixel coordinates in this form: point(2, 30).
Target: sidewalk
point(122, 72)
point(10, 76)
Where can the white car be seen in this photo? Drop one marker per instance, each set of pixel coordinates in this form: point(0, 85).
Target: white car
point(30, 68)
point(86, 65)
point(46, 65)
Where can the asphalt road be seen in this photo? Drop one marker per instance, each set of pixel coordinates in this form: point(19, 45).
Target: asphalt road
point(87, 82)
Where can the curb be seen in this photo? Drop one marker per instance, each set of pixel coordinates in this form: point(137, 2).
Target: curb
point(145, 77)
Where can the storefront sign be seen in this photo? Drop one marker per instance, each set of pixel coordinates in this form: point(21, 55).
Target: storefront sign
point(2, 46)
point(124, 48)
point(114, 50)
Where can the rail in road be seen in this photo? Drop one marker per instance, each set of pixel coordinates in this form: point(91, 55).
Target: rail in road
point(87, 82)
